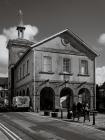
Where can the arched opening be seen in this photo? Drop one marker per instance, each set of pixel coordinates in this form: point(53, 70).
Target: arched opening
point(84, 96)
point(1, 94)
point(66, 98)
point(28, 92)
point(47, 99)
point(23, 93)
point(17, 94)
point(20, 93)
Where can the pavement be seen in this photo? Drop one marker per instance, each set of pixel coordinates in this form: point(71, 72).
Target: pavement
point(96, 131)
point(99, 122)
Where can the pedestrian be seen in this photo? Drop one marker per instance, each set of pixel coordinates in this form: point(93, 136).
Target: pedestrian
point(86, 112)
point(79, 109)
point(74, 110)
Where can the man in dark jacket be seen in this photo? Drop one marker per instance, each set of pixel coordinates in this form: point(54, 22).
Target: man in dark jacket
point(79, 109)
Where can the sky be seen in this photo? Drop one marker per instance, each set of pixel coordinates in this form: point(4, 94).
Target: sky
point(44, 18)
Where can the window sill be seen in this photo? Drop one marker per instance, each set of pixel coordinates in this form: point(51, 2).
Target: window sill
point(43, 72)
point(62, 73)
point(87, 75)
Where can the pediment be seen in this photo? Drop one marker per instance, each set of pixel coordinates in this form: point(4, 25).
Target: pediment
point(66, 41)
point(58, 44)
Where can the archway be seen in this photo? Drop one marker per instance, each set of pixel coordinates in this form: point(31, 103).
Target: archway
point(23, 93)
point(17, 94)
point(20, 94)
point(84, 96)
point(28, 92)
point(1, 94)
point(66, 98)
point(47, 99)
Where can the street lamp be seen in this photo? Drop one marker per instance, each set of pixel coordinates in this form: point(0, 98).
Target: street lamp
point(94, 110)
point(94, 102)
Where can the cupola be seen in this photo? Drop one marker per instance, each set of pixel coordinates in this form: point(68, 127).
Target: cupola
point(20, 27)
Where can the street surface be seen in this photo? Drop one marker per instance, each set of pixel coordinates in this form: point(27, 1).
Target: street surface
point(32, 126)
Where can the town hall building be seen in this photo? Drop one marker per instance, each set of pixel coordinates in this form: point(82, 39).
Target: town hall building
point(58, 66)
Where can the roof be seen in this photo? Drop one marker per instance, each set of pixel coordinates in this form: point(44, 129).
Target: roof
point(49, 38)
point(54, 36)
point(71, 33)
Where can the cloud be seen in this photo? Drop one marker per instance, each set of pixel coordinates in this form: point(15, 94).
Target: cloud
point(101, 39)
point(11, 33)
point(100, 75)
point(30, 32)
point(3, 56)
point(3, 75)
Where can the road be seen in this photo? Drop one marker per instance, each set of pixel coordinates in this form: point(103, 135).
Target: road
point(30, 126)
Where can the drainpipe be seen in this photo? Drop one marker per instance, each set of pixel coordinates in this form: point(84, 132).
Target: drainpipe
point(94, 85)
point(94, 95)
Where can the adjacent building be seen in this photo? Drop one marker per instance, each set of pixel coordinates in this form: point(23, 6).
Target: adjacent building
point(3, 88)
point(58, 66)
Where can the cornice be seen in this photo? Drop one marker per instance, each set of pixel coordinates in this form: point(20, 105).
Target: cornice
point(62, 51)
point(19, 42)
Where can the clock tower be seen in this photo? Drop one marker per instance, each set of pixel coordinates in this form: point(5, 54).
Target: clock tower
point(16, 48)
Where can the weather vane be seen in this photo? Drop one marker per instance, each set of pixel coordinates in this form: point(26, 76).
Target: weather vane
point(20, 18)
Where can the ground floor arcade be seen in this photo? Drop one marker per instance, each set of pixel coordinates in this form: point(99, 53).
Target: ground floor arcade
point(52, 95)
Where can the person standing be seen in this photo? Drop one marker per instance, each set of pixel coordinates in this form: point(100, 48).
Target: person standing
point(86, 113)
point(74, 109)
point(79, 110)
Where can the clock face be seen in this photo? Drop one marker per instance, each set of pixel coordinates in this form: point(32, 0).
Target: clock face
point(65, 41)
point(20, 54)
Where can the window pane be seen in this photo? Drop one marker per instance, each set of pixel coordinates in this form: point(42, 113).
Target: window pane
point(27, 66)
point(47, 64)
point(84, 67)
point(23, 70)
point(20, 73)
point(66, 65)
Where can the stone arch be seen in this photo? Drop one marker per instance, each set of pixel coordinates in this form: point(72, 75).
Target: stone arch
point(47, 99)
point(20, 94)
point(43, 86)
point(27, 92)
point(1, 94)
point(23, 93)
point(66, 97)
point(84, 96)
point(17, 93)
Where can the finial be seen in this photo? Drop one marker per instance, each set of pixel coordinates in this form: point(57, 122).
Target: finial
point(20, 27)
point(20, 18)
